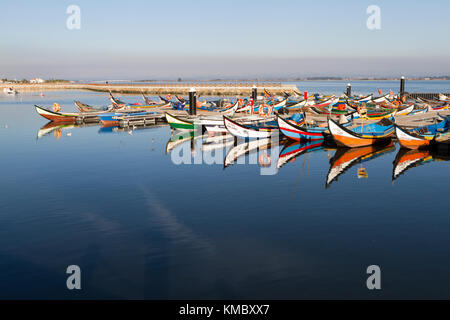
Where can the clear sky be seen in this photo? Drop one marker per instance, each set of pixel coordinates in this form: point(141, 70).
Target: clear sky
point(207, 39)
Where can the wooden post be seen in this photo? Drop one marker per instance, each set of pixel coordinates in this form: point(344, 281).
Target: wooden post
point(402, 86)
point(192, 102)
point(349, 90)
point(254, 93)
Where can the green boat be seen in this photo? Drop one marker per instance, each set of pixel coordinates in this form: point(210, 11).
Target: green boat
point(177, 123)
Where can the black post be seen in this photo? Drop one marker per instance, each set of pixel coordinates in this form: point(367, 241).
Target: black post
point(402, 86)
point(192, 102)
point(254, 93)
point(349, 89)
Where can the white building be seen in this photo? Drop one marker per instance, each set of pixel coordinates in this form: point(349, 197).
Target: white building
point(37, 80)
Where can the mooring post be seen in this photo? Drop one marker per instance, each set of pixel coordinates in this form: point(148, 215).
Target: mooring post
point(192, 102)
point(254, 93)
point(402, 86)
point(349, 90)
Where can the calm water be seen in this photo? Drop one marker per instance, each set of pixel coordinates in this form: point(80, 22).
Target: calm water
point(140, 225)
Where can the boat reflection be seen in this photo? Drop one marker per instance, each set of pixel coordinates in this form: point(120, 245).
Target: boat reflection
point(407, 159)
point(293, 149)
point(345, 158)
point(58, 128)
point(178, 138)
point(129, 130)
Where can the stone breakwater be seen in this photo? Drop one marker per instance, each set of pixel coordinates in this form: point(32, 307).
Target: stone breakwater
point(202, 88)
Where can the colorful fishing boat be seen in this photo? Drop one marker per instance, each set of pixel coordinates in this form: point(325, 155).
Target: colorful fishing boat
point(299, 131)
point(363, 99)
point(363, 135)
point(421, 137)
point(56, 116)
point(250, 131)
point(405, 111)
point(83, 107)
point(193, 124)
point(345, 158)
point(120, 104)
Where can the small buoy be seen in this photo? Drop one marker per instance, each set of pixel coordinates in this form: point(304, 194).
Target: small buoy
point(69, 134)
point(130, 132)
point(6, 126)
point(42, 94)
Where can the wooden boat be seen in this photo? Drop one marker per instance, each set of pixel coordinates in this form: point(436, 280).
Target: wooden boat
point(120, 104)
point(87, 108)
point(440, 107)
point(361, 136)
point(250, 131)
point(380, 99)
point(364, 99)
point(407, 159)
point(9, 91)
point(56, 116)
point(299, 131)
point(421, 137)
point(345, 158)
point(405, 111)
point(293, 149)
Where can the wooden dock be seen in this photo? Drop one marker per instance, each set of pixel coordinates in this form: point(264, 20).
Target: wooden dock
point(142, 121)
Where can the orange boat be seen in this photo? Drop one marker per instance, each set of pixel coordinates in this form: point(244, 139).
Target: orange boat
point(361, 136)
point(422, 137)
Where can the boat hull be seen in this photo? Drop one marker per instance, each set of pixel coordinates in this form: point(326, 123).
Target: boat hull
point(55, 116)
point(177, 123)
point(298, 133)
point(346, 138)
point(406, 140)
point(243, 131)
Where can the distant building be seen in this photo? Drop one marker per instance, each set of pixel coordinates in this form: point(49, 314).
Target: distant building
point(37, 80)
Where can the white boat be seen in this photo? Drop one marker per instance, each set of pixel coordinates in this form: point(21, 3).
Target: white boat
point(9, 91)
point(245, 131)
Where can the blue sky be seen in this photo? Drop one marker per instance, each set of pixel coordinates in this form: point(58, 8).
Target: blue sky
point(207, 39)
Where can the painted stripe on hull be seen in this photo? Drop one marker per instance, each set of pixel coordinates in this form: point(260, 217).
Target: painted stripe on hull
point(296, 133)
point(177, 123)
point(55, 116)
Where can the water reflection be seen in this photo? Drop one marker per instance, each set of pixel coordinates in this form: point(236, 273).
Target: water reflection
point(57, 129)
point(407, 159)
point(269, 154)
point(345, 158)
